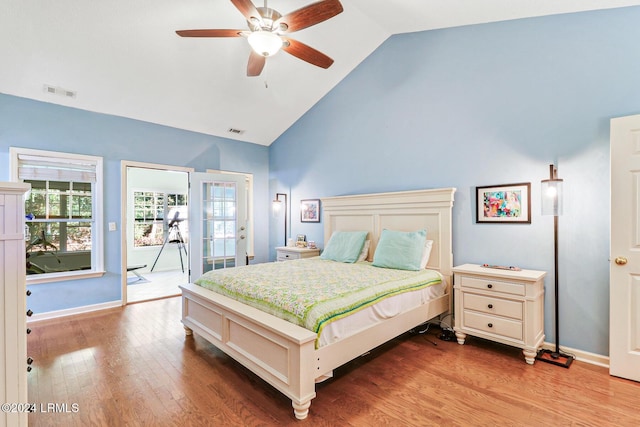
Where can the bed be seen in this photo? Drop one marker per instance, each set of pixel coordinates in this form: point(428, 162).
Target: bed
point(289, 356)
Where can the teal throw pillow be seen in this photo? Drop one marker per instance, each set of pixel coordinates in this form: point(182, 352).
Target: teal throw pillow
point(344, 246)
point(399, 249)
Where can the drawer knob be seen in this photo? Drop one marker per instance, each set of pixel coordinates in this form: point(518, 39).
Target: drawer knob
point(490, 325)
point(489, 286)
point(490, 306)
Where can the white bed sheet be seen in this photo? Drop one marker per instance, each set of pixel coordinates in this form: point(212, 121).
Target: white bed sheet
point(385, 309)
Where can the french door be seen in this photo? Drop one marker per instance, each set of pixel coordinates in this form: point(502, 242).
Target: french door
point(217, 222)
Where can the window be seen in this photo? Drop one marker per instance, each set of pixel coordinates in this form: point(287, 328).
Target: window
point(150, 210)
point(64, 213)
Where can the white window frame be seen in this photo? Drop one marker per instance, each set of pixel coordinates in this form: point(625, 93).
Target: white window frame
point(166, 209)
point(97, 232)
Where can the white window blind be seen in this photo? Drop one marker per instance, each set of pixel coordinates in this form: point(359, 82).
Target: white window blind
point(34, 167)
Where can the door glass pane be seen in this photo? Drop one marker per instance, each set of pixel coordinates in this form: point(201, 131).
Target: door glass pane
point(219, 225)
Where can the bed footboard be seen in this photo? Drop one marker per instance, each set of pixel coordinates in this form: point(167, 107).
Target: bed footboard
point(279, 352)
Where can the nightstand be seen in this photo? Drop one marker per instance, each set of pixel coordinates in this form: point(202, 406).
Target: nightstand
point(500, 305)
point(285, 253)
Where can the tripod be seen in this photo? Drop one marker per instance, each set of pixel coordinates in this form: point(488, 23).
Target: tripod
point(173, 236)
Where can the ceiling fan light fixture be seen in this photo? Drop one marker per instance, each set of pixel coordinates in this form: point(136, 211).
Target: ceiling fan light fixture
point(265, 43)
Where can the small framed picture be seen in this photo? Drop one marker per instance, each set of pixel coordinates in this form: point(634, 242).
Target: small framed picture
point(509, 203)
point(301, 241)
point(310, 210)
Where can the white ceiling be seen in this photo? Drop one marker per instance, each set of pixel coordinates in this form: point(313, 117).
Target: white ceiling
point(122, 57)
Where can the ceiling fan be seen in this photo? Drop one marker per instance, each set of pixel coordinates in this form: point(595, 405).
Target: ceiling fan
point(268, 30)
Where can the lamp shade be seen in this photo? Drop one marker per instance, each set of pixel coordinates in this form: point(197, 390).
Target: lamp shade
point(276, 207)
point(551, 193)
point(265, 43)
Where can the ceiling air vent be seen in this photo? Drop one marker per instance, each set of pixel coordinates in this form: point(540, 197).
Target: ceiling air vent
point(235, 131)
point(56, 90)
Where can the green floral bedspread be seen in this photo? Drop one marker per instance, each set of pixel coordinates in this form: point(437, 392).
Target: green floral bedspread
point(313, 292)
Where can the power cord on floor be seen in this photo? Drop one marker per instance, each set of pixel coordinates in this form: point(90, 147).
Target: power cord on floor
point(446, 334)
point(424, 332)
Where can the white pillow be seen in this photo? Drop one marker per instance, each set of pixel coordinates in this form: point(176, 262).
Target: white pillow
point(365, 251)
point(426, 253)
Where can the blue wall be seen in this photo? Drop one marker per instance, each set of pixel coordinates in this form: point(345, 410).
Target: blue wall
point(463, 107)
point(482, 105)
point(30, 124)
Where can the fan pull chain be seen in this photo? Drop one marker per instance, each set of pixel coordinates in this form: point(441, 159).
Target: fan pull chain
point(266, 85)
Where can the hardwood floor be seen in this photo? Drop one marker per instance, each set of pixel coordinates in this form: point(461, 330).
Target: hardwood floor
point(134, 366)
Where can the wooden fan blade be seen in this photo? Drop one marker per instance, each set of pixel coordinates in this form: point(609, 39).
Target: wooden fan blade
point(307, 16)
point(247, 9)
point(306, 53)
point(256, 64)
point(209, 33)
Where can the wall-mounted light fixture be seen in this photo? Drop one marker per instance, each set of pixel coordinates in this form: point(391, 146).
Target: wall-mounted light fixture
point(277, 208)
point(551, 199)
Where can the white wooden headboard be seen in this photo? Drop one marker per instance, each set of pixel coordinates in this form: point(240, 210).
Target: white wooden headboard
point(402, 211)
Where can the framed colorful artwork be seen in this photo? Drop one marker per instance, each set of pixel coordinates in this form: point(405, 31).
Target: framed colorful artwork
point(509, 203)
point(310, 210)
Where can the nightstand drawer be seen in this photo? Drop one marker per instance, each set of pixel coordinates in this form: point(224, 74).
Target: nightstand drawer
point(494, 306)
point(285, 253)
point(493, 285)
point(495, 325)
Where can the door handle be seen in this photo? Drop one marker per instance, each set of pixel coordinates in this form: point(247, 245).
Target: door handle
point(620, 260)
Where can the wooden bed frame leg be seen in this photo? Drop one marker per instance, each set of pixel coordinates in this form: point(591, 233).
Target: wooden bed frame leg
point(301, 410)
point(187, 331)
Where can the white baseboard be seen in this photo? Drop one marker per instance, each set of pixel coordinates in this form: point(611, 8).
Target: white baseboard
point(583, 356)
point(40, 317)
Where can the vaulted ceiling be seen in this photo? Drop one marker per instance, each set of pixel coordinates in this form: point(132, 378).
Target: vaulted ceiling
point(123, 57)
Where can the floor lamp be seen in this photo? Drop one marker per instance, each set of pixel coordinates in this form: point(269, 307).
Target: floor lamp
point(551, 194)
point(276, 209)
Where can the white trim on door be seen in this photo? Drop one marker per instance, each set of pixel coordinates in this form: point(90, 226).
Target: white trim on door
point(124, 165)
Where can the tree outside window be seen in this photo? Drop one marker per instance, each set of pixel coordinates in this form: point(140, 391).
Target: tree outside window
point(152, 212)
